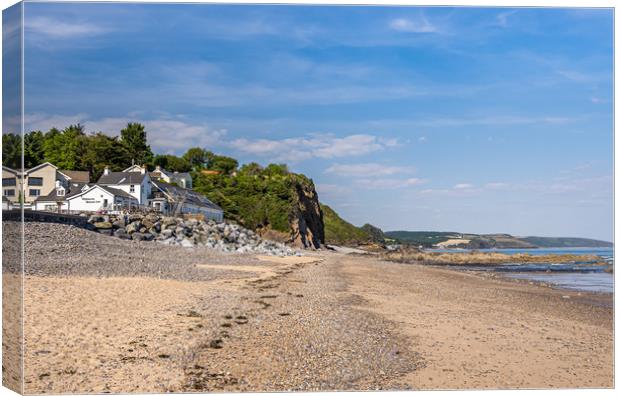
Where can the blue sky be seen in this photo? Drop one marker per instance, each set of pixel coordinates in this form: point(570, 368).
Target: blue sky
point(461, 119)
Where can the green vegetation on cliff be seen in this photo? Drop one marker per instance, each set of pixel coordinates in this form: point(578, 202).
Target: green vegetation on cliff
point(341, 232)
point(254, 196)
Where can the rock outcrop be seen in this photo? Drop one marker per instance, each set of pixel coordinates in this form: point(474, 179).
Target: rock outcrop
point(306, 218)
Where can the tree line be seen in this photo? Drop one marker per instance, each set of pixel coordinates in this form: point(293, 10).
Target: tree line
point(251, 194)
point(73, 149)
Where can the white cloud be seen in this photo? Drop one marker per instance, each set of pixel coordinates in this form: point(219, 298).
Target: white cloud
point(383, 183)
point(313, 146)
point(422, 139)
point(495, 121)
point(502, 18)
point(366, 170)
point(58, 29)
point(421, 25)
point(463, 186)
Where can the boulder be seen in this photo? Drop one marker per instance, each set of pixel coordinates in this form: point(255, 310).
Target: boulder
point(138, 236)
point(133, 227)
point(105, 225)
point(121, 233)
point(95, 219)
point(186, 243)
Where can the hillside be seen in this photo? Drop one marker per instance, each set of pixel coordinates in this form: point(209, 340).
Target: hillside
point(341, 232)
point(270, 198)
point(486, 241)
point(545, 242)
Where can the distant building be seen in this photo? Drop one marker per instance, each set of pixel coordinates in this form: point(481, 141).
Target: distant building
point(35, 182)
point(170, 199)
point(181, 179)
point(135, 183)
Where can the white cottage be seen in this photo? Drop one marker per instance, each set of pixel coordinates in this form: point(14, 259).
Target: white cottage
point(136, 184)
point(85, 198)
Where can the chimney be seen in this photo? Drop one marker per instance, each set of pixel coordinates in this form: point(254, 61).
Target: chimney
point(157, 168)
point(143, 169)
point(57, 183)
point(106, 171)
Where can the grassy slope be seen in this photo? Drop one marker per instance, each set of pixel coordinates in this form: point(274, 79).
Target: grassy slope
point(566, 242)
point(340, 232)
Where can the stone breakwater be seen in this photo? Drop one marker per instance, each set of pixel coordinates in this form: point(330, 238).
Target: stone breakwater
point(224, 237)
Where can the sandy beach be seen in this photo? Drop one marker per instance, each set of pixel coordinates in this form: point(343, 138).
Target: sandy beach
point(126, 316)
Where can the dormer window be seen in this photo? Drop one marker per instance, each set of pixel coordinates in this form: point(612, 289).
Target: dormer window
point(132, 188)
point(60, 192)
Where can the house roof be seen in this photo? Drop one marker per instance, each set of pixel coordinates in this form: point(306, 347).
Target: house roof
point(5, 198)
point(133, 168)
point(122, 178)
point(76, 176)
point(40, 166)
point(114, 191)
point(177, 193)
point(74, 189)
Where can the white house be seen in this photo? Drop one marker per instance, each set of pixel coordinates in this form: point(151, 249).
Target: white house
point(181, 179)
point(136, 184)
point(85, 198)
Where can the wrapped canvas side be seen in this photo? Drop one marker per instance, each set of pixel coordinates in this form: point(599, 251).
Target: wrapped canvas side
point(12, 208)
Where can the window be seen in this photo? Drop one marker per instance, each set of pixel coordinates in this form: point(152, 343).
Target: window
point(9, 193)
point(60, 192)
point(35, 181)
point(34, 192)
point(132, 188)
point(9, 181)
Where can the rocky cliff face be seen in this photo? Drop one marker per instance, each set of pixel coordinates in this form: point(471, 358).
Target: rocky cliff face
point(306, 218)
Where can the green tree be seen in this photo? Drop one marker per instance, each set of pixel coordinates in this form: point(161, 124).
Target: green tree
point(226, 165)
point(101, 151)
point(251, 169)
point(196, 157)
point(133, 139)
point(33, 149)
point(65, 149)
point(172, 163)
point(12, 150)
point(276, 170)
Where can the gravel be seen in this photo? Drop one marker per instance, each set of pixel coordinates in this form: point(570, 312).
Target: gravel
point(62, 250)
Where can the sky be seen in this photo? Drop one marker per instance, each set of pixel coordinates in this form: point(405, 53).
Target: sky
point(476, 120)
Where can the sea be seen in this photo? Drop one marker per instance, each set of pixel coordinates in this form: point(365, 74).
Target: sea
point(578, 276)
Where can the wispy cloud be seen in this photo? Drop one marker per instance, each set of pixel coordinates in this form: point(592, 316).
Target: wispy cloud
point(463, 186)
point(60, 29)
point(366, 170)
point(419, 25)
point(502, 18)
point(498, 120)
point(388, 183)
point(313, 146)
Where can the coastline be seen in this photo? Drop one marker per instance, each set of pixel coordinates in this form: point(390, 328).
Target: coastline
point(188, 320)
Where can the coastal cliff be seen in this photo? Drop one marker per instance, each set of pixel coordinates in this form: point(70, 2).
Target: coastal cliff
point(306, 218)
